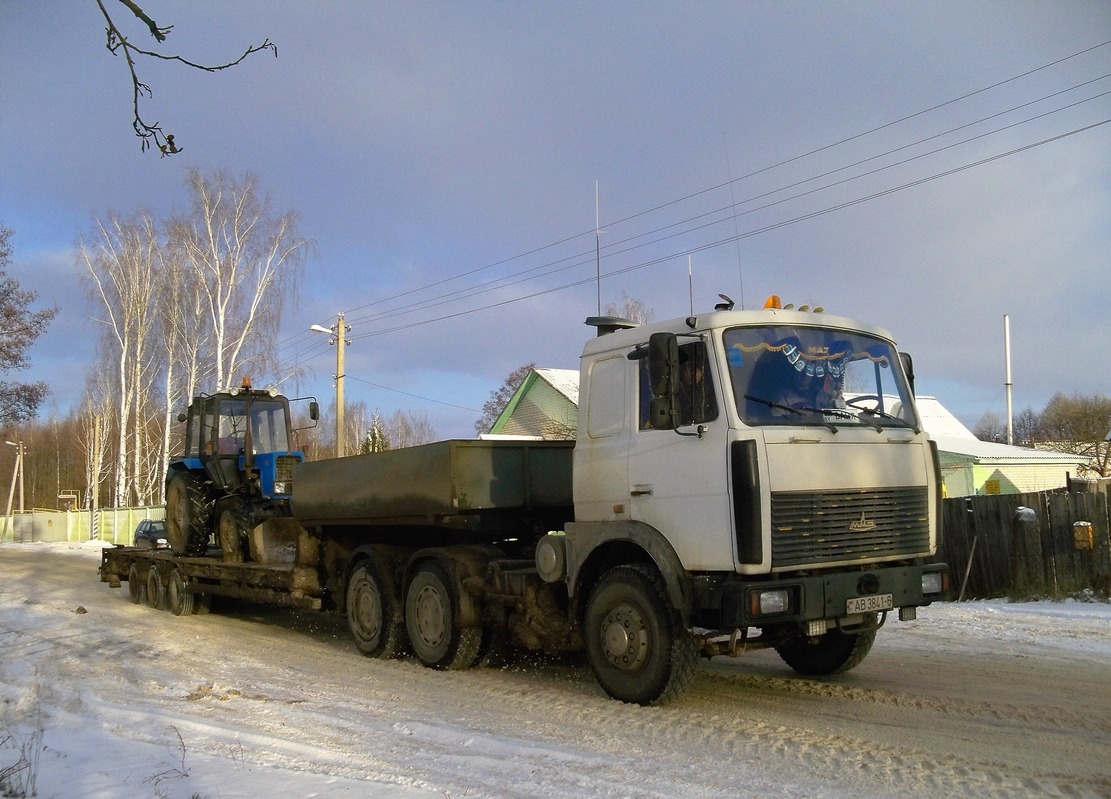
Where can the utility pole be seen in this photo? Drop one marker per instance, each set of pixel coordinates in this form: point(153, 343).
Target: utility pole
point(338, 332)
point(1007, 380)
point(341, 344)
point(17, 473)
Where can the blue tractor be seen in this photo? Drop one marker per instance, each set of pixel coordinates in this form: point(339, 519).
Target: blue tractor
point(235, 473)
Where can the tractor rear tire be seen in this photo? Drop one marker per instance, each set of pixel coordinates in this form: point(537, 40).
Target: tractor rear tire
point(188, 515)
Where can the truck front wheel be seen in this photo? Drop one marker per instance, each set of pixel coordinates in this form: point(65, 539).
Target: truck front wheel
point(188, 515)
point(832, 653)
point(371, 614)
point(430, 606)
point(636, 645)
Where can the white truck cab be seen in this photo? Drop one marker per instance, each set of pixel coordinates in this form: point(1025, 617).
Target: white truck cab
point(769, 466)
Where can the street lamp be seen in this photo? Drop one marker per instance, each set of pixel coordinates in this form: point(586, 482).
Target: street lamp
point(338, 332)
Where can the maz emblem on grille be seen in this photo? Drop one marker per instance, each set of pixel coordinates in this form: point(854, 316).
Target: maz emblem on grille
point(862, 525)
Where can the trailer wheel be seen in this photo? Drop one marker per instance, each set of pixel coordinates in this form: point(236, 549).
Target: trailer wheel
point(636, 644)
point(833, 653)
point(179, 594)
point(156, 590)
point(430, 620)
point(188, 515)
point(202, 603)
point(372, 614)
point(136, 585)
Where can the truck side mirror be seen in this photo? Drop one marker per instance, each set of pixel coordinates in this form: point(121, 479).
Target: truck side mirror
point(908, 368)
point(314, 410)
point(663, 372)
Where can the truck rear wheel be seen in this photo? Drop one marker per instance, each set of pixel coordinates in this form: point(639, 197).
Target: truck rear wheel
point(179, 594)
point(188, 515)
point(636, 645)
point(430, 606)
point(372, 614)
point(832, 653)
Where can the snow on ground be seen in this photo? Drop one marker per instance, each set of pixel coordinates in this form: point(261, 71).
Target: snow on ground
point(103, 698)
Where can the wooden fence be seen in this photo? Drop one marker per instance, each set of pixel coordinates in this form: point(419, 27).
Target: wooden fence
point(1028, 546)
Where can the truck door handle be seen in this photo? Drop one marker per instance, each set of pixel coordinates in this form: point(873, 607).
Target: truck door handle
point(641, 491)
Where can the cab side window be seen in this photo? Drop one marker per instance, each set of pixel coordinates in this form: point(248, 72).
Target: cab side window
point(694, 392)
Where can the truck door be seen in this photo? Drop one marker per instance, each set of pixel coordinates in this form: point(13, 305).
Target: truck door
point(678, 478)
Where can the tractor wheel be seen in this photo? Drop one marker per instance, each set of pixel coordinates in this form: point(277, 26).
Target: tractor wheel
point(233, 536)
point(188, 514)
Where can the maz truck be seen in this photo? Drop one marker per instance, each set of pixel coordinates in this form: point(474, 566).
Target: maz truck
point(740, 480)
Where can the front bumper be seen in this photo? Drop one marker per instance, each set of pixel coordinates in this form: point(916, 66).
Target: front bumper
point(827, 596)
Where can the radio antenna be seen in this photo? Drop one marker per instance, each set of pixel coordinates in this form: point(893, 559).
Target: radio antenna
point(736, 227)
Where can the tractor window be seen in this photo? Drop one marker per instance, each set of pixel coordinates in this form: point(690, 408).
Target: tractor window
point(232, 435)
point(268, 427)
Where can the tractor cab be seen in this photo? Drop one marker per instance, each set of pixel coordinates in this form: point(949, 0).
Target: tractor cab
point(229, 432)
point(237, 466)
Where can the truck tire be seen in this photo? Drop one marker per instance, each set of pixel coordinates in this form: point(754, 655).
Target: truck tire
point(635, 642)
point(833, 653)
point(188, 514)
point(136, 585)
point(430, 606)
point(179, 594)
point(156, 590)
point(372, 614)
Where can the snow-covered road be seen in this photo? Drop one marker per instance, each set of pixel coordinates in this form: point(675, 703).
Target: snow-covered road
point(982, 699)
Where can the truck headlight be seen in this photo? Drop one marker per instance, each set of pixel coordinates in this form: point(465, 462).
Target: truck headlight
point(931, 583)
point(769, 603)
point(280, 487)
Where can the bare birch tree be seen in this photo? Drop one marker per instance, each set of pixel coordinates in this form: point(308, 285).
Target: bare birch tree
point(122, 259)
point(182, 323)
point(408, 429)
point(631, 308)
point(95, 415)
point(248, 260)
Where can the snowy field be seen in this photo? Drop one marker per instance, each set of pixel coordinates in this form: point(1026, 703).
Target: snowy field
point(103, 698)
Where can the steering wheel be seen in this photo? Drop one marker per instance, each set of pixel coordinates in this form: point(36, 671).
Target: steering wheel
point(853, 403)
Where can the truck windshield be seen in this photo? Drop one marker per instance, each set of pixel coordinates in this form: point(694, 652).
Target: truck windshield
point(813, 376)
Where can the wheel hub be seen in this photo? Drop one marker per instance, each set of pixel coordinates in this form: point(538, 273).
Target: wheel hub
point(430, 616)
point(625, 637)
point(368, 610)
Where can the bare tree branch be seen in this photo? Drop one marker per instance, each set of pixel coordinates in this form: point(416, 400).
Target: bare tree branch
point(117, 42)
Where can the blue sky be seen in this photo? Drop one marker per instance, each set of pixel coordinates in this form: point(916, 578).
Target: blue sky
point(926, 166)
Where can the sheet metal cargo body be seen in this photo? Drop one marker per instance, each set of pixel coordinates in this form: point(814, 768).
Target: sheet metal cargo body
point(739, 480)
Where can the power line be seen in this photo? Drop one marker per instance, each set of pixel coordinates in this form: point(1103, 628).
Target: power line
point(748, 234)
point(754, 173)
point(550, 268)
point(508, 281)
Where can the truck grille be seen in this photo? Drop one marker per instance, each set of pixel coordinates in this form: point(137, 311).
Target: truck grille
point(283, 467)
point(841, 526)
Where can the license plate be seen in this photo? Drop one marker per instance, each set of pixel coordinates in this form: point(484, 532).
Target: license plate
point(868, 604)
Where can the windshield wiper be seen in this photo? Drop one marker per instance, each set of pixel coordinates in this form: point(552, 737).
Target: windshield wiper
point(792, 409)
point(889, 417)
